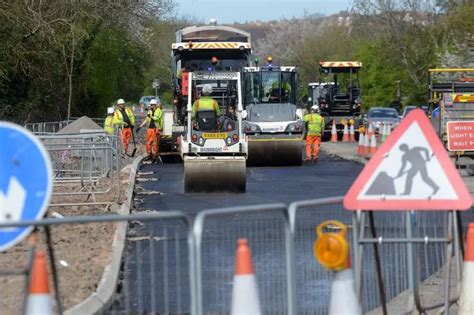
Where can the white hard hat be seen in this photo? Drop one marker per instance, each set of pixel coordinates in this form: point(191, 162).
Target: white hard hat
point(315, 107)
point(207, 89)
point(110, 110)
point(153, 102)
point(120, 101)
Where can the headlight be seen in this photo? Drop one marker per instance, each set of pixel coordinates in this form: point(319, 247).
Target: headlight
point(201, 141)
point(251, 128)
point(295, 127)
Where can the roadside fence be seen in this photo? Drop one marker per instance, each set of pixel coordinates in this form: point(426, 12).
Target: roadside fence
point(170, 266)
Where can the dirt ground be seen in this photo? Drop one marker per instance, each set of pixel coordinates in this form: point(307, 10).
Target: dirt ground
point(81, 252)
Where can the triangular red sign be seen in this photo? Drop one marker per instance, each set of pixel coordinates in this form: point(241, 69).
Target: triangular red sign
point(410, 171)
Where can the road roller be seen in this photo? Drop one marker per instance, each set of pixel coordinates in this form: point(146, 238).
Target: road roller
point(214, 147)
point(272, 121)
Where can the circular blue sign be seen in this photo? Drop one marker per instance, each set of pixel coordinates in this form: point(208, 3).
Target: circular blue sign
point(25, 181)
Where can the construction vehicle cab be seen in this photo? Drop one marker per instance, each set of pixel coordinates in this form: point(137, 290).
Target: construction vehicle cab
point(272, 121)
point(337, 93)
point(214, 149)
point(451, 99)
point(205, 48)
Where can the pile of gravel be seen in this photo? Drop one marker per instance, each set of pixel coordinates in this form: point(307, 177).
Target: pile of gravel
point(83, 124)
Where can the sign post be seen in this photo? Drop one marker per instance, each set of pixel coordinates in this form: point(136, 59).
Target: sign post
point(25, 181)
point(156, 86)
point(410, 171)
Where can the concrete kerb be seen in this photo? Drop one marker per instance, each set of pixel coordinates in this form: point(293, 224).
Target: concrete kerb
point(101, 299)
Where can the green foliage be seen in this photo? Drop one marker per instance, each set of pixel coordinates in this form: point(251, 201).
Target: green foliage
point(113, 69)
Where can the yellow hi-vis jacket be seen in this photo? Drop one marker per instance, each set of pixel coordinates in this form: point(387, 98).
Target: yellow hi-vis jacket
point(108, 124)
point(315, 124)
point(206, 103)
point(154, 119)
point(118, 118)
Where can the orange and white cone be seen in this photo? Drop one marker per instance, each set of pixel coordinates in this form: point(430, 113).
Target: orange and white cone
point(345, 135)
point(333, 132)
point(343, 294)
point(39, 300)
point(366, 144)
point(381, 133)
point(389, 131)
point(466, 301)
point(373, 145)
point(370, 131)
point(352, 133)
point(361, 147)
point(245, 298)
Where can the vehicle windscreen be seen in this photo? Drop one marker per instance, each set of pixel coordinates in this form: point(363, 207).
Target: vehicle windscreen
point(383, 113)
point(269, 87)
point(271, 112)
point(201, 60)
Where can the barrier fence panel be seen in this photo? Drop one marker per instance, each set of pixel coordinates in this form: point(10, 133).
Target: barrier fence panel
point(84, 165)
point(83, 248)
point(156, 271)
point(216, 233)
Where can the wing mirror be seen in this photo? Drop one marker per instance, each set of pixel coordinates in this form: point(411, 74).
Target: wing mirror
point(244, 114)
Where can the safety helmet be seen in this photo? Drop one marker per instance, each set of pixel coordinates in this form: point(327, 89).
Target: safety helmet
point(315, 108)
point(153, 102)
point(207, 89)
point(110, 110)
point(120, 101)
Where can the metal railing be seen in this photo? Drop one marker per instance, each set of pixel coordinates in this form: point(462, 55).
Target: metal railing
point(85, 166)
point(173, 266)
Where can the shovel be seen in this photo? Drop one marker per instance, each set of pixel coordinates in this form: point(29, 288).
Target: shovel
point(134, 145)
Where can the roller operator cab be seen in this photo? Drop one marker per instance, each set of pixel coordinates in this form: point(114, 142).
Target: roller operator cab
point(214, 147)
point(205, 48)
point(272, 120)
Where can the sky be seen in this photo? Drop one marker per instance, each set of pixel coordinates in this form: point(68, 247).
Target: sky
point(229, 11)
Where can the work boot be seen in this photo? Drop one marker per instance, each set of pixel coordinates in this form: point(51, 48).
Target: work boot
point(148, 158)
point(315, 160)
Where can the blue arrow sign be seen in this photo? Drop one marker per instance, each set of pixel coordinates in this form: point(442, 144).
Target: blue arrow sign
point(25, 181)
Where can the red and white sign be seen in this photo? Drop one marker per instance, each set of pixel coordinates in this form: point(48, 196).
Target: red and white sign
point(460, 135)
point(410, 171)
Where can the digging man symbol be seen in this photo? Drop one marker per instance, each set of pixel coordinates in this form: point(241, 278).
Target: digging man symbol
point(418, 165)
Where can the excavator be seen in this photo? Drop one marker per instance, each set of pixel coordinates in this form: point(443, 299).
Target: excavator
point(272, 120)
point(214, 149)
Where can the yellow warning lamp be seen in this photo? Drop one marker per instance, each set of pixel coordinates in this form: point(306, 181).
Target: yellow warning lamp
point(344, 122)
point(351, 121)
point(361, 129)
point(331, 248)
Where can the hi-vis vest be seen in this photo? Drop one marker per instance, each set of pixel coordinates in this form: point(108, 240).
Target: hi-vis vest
point(315, 124)
point(206, 103)
point(108, 125)
point(118, 118)
point(156, 117)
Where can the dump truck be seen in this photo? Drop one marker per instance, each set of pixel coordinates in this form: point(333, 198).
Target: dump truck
point(214, 149)
point(272, 120)
point(451, 103)
point(337, 93)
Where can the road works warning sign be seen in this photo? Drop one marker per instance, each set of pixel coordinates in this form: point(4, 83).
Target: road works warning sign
point(410, 171)
point(460, 135)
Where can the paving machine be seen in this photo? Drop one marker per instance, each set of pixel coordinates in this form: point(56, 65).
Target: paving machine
point(451, 99)
point(272, 121)
point(337, 93)
point(214, 149)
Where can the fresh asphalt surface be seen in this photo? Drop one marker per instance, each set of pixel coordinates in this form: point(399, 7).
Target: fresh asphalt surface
point(155, 276)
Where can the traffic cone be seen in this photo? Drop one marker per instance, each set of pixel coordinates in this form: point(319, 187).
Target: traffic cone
point(373, 145)
point(333, 132)
point(361, 147)
point(352, 133)
point(345, 135)
point(366, 144)
point(381, 131)
point(384, 133)
point(244, 293)
point(370, 130)
point(466, 301)
point(343, 294)
point(39, 300)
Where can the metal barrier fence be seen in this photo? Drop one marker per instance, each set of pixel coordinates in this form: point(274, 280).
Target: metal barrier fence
point(173, 267)
point(47, 127)
point(85, 167)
